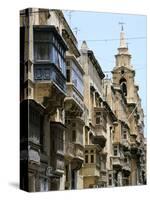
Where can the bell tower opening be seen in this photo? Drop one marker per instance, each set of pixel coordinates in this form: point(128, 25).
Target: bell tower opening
point(123, 86)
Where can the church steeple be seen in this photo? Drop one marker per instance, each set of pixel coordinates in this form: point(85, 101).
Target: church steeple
point(123, 48)
point(123, 56)
point(123, 73)
point(123, 43)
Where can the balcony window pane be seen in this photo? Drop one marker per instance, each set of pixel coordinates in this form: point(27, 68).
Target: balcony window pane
point(97, 120)
point(92, 158)
point(77, 78)
point(73, 136)
point(41, 51)
point(115, 150)
point(86, 158)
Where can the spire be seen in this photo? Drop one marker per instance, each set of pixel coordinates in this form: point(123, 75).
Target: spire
point(123, 57)
point(84, 47)
point(123, 43)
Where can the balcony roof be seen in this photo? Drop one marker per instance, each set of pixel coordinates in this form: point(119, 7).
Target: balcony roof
point(51, 28)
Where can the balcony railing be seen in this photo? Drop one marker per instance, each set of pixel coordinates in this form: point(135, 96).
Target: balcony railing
point(73, 94)
point(103, 176)
point(69, 150)
point(126, 167)
point(116, 162)
point(125, 143)
point(59, 165)
point(79, 151)
point(49, 72)
point(99, 138)
point(34, 156)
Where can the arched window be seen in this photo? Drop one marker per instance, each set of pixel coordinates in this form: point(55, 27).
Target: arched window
point(123, 86)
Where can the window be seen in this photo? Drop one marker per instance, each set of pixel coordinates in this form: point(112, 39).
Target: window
point(68, 63)
point(35, 125)
point(86, 158)
point(122, 71)
point(44, 184)
point(115, 150)
point(124, 136)
point(98, 118)
point(67, 170)
point(59, 141)
point(110, 179)
point(92, 158)
point(77, 78)
point(68, 75)
point(73, 136)
point(123, 86)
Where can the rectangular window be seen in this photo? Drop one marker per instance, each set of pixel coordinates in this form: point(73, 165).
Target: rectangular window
point(124, 136)
point(67, 170)
point(68, 75)
point(99, 119)
point(44, 184)
point(73, 136)
point(115, 150)
point(86, 159)
point(92, 158)
point(110, 179)
point(42, 51)
point(59, 141)
point(68, 63)
point(77, 78)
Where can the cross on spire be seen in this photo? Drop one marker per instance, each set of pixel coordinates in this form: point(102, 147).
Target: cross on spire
point(121, 24)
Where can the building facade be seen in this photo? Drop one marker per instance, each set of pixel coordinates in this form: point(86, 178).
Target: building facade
point(78, 129)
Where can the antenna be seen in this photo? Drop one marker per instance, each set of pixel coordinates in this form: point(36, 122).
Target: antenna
point(76, 30)
point(121, 24)
point(70, 16)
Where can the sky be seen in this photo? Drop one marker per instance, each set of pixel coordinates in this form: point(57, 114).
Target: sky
point(104, 28)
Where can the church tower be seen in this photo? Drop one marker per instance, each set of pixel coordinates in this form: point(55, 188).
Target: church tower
point(123, 72)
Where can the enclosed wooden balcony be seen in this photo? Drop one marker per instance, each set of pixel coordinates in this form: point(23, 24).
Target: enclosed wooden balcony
point(49, 86)
point(57, 147)
point(99, 137)
point(69, 151)
point(75, 153)
point(74, 100)
point(91, 167)
point(78, 158)
point(59, 168)
point(103, 177)
point(133, 144)
point(116, 162)
point(126, 145)
point(126, 169)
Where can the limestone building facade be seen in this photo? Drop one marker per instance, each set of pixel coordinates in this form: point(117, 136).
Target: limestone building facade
point(78, 129)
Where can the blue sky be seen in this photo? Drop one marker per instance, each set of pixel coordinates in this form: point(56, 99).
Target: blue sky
point(104, 26)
